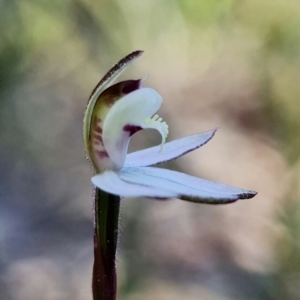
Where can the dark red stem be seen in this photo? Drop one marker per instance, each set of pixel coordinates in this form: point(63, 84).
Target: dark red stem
point(105, 244)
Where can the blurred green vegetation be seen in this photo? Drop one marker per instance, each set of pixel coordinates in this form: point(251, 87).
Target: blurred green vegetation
point(54, 48)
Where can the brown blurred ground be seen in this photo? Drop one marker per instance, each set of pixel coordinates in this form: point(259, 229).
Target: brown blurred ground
point(228, 64)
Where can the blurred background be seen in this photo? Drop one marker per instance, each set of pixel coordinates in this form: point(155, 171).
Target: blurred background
point(233, 64)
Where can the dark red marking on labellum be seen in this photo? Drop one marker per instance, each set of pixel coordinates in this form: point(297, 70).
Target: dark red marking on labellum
point(98, 129)
point(102, 154)
point(131, 85)
point(110, 101)
point(118, 90)
point(132, 129)
point(98, 138)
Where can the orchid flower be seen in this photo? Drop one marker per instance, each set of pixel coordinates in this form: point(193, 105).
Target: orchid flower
point(114, 114)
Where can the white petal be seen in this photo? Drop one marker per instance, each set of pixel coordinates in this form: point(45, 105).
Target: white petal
point(110, 182)
point(124, 118)
point(186, 187)
point(171, 150)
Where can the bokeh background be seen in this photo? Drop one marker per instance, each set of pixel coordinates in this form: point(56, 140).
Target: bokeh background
point(233, 64)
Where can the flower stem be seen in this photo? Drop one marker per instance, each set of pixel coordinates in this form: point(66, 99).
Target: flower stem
point(105, 244)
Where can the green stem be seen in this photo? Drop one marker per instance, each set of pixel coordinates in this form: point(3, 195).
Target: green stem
point(105, 244)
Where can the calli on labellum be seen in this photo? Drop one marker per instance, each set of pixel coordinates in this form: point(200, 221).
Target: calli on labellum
point(114, 113)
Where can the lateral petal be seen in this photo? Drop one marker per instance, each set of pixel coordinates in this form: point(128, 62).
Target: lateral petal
point(185, 186)
point(171, 150)
point(110, 182)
